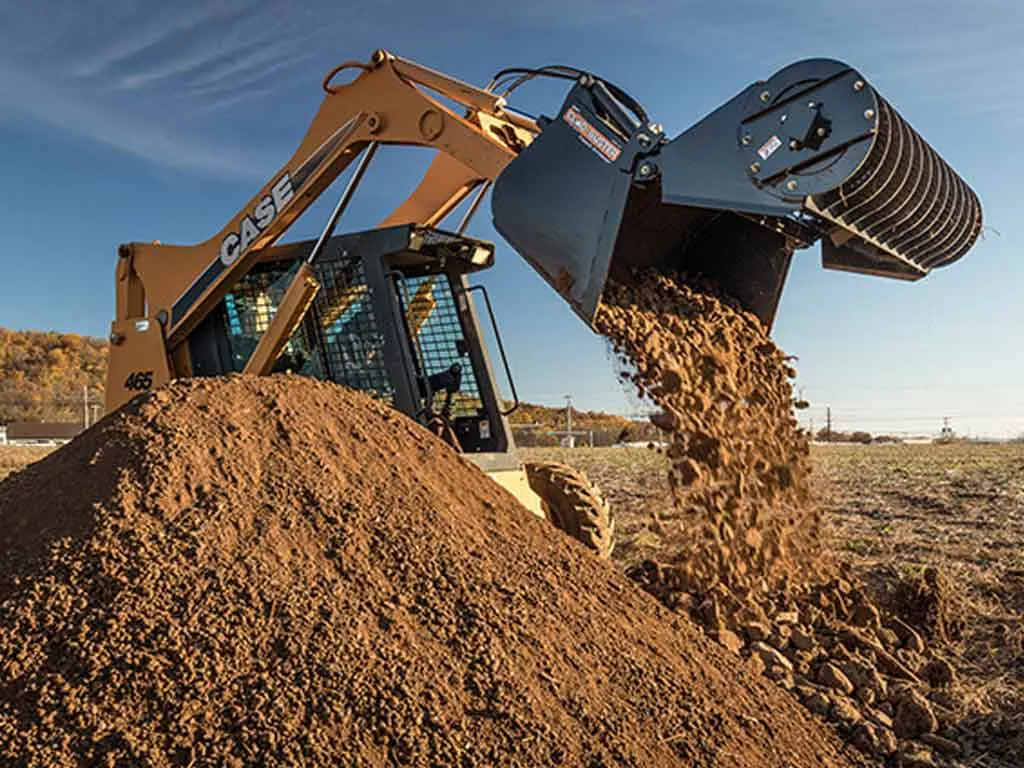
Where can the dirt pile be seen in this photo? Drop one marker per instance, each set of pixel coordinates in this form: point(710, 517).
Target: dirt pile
point(746, 559)
point(276, 571)
point(848, 660)
point(739, 461)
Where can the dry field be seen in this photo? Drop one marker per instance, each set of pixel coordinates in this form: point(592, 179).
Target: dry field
point(14, 457)
point(892, 511)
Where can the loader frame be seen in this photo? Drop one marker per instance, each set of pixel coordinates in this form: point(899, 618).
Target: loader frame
point(393, 315)
point(163, 292)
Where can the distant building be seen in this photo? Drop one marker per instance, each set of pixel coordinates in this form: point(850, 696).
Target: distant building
point(41, 431)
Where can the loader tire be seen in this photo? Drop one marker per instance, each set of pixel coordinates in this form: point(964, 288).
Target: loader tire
point(573, 505)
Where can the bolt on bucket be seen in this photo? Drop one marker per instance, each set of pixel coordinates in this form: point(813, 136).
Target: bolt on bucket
point(813, 153)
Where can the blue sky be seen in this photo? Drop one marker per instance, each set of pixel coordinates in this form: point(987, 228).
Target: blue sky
point(123, 122)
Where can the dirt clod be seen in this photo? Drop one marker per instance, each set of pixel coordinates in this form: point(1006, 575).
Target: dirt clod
point(941, 744)
point(914, 715)
point(845, 711)
point(914, 756)
point(939, 673)
point(831, 676)
point(739, 461)
point(926, 603)
point(755, 631)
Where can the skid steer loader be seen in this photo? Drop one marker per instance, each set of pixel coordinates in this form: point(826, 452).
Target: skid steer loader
point(811, 154)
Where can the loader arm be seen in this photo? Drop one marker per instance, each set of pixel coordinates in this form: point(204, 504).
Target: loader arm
point(387, 103)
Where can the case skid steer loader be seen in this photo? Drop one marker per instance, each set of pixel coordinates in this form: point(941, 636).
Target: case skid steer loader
point(812, 153)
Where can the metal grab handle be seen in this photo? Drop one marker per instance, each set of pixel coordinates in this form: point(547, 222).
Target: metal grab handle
point(501, 347)
point(332, 89)
point(343, 201)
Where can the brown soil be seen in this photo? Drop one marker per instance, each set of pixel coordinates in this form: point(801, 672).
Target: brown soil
point(277, 571)
point(747, 559)
point(739, 461)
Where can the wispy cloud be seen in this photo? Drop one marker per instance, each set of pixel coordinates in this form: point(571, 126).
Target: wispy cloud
point(165, 82)
point(143, 138)
point(159, 82)
point(144, 33)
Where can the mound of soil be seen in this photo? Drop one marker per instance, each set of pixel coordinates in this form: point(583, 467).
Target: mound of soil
point(277, 571)
point(739, 461)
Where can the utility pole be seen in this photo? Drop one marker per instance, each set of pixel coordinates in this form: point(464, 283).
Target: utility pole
point(828, 423)
point(568, 415)
point(85, 405)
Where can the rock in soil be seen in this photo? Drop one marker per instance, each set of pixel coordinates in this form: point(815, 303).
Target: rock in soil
point(771, 657)
point(927, 603)
point(888, 744)
point(729, 639)
point(878, 718)
point(866, 615)
point(818, 703)
point(865, 738)
point(940, 743)
point(939, 673)
point(845, 711)
point(755, 631)
point(914, 756)
point(914, 715)
point(278, 571)
point(831, 676)
point(802, 639)
point(889, 638)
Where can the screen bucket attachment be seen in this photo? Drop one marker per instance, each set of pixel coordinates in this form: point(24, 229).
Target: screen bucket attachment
point(813, 153)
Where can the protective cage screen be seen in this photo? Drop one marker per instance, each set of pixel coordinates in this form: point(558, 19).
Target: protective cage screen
point(338, 340)
point(438, 340)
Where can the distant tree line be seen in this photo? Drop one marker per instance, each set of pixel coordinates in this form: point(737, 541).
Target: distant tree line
point(42, 375)
point(535, 425)
point(861, 437)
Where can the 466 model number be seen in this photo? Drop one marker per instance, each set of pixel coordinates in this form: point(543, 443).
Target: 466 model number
point(139, 380)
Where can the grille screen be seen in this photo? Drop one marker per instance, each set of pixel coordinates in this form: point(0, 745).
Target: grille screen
point(906, 198)
point(339, 339)
point(432, 318)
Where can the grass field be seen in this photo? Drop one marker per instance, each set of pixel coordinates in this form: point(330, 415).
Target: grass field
point(891, 511)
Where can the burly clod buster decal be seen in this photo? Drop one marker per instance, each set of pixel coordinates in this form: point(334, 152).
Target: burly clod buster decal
point(596, 140)
point(252, 224)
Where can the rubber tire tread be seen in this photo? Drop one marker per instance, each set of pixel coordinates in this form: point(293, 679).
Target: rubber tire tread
point(573, 504)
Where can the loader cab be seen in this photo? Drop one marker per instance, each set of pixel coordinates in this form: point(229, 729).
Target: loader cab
point(395, 317)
